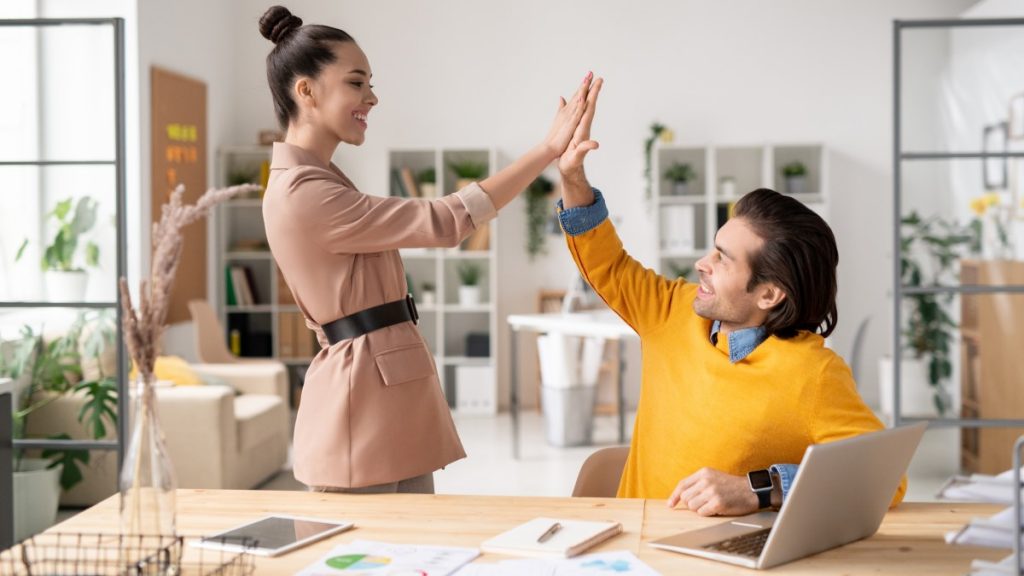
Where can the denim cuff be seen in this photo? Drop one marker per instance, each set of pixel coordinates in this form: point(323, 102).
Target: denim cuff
point(786, 472)
point(583, 219)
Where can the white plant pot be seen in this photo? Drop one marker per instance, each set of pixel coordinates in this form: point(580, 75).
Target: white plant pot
point(796, 184)
point(65, 286)
point(680, 188)
point(36, 496)
point(428, 190)
point(429, 299)
point(469, 295)
point(915, 391)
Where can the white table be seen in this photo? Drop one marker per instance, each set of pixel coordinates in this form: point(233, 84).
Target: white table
point(6, 465)
point(603, 323)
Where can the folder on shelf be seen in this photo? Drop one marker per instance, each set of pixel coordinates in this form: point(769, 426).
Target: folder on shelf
point(397, 188)
point(409, 182)
point(229, 288)
point(569, 539)
point(240, 283)
point(286, 335)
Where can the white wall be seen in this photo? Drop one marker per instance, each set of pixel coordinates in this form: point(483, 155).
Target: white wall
point(194, 38)
point(465, 73)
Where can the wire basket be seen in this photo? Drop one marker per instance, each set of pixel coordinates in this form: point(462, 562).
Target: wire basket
point(115, 554)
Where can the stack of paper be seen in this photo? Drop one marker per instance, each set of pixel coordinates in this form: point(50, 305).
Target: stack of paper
point(369, 557)
point(996, 531)
point(603, 563)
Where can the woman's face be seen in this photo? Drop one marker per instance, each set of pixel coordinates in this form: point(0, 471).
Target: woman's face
point(343, 95)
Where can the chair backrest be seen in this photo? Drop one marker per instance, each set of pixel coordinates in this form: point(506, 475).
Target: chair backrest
point(600, 474)
point(210, 345)
point(857, 349)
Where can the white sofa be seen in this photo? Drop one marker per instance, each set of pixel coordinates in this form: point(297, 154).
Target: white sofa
point(216, 438)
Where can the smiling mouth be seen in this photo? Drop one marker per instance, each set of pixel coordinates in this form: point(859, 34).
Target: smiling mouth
point(359, 116)
point(704, 290)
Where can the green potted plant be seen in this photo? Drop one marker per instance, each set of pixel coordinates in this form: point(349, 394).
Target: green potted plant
point(795, 175)
point(429, 294)
point(929, 248)
point(538, 206)
point(64, 258)
point(469, 279)
point(656, 131)
point(43, 371)
point(427, 180)
point(679, 175)
point(467, 171)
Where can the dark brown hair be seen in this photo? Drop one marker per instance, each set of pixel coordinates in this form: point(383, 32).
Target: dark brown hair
point(299, 51)
point(799, 256)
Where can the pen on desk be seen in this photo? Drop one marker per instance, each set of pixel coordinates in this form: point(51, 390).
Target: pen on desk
point(549, 532)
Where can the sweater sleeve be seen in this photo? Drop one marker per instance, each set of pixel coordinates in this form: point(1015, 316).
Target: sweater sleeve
point(841, 413)
point(641, 297)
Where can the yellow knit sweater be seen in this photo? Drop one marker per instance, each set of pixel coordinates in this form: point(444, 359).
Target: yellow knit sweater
point(696, 408)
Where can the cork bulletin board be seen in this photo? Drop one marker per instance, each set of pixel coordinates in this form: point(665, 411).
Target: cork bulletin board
point(178, 151)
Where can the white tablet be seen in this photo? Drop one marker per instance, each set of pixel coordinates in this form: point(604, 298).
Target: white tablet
point(273, 535)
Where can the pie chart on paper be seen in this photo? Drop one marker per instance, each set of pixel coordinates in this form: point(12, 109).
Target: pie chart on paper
point(359, 563)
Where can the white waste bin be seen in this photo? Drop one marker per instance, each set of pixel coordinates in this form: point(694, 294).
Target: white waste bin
point(569, 414)
point(569, 369)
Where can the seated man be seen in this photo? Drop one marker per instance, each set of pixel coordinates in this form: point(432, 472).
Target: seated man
point(735, 375)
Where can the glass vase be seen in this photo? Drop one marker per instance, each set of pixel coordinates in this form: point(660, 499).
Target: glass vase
point(147, 483)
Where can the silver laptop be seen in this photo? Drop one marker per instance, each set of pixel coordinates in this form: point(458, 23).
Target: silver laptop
point(840, 494)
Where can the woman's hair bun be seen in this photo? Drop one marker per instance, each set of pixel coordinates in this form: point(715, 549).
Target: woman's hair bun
point(277, 23)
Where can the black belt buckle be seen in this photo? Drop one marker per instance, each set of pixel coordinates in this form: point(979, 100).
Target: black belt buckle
point(411, 304)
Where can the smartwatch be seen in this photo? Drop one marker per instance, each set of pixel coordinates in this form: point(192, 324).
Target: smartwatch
point(761, 484)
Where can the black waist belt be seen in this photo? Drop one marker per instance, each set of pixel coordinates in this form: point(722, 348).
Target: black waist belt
point(371, 319)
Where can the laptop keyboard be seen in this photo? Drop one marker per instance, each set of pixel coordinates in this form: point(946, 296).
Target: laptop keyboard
point(746, 545)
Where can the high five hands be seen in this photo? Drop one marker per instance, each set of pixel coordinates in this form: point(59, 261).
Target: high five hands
point(569, 137)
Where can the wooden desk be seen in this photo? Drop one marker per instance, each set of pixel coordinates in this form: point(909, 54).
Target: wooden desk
point(909, 541)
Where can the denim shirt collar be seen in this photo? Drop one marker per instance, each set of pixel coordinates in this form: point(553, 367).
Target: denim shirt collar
point(741, 342)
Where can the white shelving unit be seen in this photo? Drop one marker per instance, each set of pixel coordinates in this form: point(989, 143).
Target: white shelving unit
point(687, 220)
point(241, 240)
point(469, 382)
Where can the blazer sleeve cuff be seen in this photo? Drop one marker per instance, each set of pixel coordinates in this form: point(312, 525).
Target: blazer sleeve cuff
point(478, 203)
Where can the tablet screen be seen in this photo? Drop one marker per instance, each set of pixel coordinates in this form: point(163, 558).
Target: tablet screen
point(274, 534)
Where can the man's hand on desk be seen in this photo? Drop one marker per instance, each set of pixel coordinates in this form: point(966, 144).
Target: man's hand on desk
point(710, 492)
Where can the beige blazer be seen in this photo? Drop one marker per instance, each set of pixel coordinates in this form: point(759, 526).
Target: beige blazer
point(372, 409)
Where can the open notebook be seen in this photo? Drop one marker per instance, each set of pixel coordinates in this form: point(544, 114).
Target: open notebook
point(573, 537)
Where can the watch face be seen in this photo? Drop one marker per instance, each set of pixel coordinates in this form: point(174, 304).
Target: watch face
point(759, 480)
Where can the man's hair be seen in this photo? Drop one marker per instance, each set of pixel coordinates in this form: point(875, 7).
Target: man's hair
point(799, 255)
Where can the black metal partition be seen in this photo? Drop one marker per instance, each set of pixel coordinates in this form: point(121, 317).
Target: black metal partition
point(118, 164)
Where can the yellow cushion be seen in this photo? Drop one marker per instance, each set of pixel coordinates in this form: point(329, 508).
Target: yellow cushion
point(174, 369)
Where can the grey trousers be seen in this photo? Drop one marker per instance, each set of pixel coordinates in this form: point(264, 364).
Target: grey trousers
point(417, 485)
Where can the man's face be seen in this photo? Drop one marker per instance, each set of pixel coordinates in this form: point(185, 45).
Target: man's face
point(724, 273)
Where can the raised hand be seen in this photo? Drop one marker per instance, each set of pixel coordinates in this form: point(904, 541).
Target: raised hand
point(567, 119)
point(571, 160)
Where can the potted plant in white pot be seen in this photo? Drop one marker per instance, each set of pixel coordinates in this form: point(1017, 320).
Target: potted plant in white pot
point(65, 277)
point(795, 175)
point(44, 370)
point(928, 250)
point(469, 287)
point(467, 172)
point(680, 175)
point(428, 294)
point(538, 208)
point(428, 183)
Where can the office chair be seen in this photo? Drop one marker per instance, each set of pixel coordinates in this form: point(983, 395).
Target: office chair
point(600, 474)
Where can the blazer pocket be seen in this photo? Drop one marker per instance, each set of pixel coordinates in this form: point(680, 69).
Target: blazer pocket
point(405, 364)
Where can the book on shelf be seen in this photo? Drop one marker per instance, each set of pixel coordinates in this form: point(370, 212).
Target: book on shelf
point(229, 288)
point(242, 285)
point(397, 187)
point(286, 335)
point(284, 293)
point(409, 182)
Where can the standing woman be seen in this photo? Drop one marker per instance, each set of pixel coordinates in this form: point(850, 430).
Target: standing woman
point(372, 417)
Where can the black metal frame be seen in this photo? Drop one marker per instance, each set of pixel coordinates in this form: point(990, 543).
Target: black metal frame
point(900, 156)
point(6, 443)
